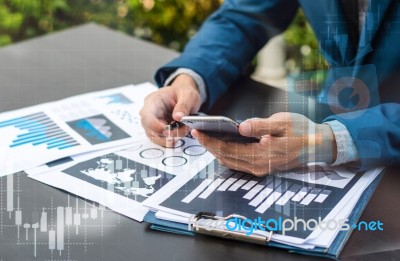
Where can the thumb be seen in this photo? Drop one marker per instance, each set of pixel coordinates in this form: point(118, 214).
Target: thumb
point(187, 103)
point(258, 127)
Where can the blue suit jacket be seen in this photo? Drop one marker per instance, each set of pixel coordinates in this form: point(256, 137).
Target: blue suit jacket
point(232, 36)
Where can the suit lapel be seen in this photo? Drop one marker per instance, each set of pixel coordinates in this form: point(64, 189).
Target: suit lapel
point(373, 20)
point(329, 23)
point(327, 19)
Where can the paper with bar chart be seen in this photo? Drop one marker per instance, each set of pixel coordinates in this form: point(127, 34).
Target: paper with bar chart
point(124, 179)
point(223, 191)
point(31, 138)
point(41, 134)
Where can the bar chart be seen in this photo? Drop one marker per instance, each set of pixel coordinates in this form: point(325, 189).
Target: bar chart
point(224, 192)
point(38, 129)
point(260, 196)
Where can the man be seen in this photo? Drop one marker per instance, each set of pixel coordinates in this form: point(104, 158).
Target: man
point(360, 40)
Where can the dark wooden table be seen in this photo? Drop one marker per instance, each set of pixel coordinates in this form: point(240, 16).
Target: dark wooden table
point(90, 58)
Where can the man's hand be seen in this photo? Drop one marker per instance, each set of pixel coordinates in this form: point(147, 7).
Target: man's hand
point(169, 103)
point(287, 141)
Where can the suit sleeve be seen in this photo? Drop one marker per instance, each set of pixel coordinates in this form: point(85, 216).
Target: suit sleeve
point(228, 41)
point(375, 133)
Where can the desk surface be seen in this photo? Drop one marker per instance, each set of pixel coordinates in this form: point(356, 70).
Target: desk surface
point(90, 58)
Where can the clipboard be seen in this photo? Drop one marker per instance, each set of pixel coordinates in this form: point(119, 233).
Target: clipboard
point(332, 252)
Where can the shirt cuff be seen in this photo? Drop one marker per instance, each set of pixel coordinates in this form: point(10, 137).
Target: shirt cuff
point(196, 77)
point(346, 150)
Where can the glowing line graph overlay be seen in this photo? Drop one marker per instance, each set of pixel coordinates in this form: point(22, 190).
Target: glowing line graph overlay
point(39, 129)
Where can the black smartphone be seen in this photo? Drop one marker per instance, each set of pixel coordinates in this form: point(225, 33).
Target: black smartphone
point(220, 127)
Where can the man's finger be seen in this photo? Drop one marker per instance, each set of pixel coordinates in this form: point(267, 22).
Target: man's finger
point(150, 122)
point(241, 150)
point(176, 133)
point(235, 164)
point(186, 104)
point(244, 166)
point(211, 144)
point(159, 140)
point(165, 142)
point(223, 148)
point(258, 127)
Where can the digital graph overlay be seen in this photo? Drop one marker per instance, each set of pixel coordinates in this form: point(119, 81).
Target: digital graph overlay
point(223, 191)
point(37, 130)
point(52, 227)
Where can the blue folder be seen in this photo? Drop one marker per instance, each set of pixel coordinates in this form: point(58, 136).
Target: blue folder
point(332, 252)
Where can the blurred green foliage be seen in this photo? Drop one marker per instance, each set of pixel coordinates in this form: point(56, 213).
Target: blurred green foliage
point(21, 19)
point(167, 22)
point(171, 22)
point(303, 51)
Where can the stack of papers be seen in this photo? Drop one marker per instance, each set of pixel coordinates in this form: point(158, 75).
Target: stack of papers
point(93, 145)
point(125, 180)
point(322, 197)
point(48, 132)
